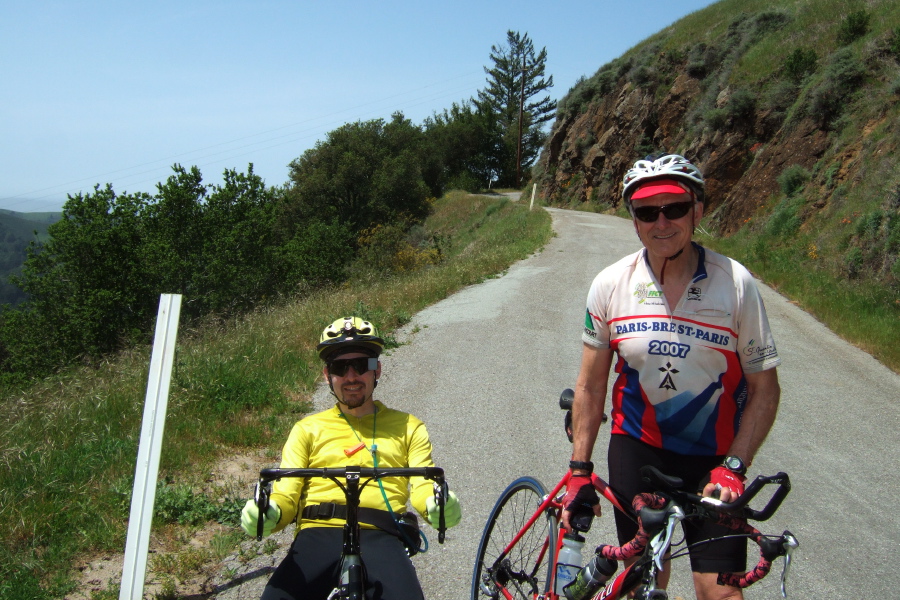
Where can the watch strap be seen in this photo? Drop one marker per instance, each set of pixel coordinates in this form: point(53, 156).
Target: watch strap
point(584, 465)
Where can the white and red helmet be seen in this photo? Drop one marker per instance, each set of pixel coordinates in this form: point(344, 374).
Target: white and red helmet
point(673, 167)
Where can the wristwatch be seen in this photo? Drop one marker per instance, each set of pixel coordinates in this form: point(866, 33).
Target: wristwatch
point(584, 465)
point(735, 465)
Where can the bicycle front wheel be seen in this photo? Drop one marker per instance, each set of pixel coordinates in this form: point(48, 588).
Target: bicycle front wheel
point(524, 569)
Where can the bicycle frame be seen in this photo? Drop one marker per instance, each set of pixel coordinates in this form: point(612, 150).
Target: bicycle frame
point(551, 504)
point(352, 580)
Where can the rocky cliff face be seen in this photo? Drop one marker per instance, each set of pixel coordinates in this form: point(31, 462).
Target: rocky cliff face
point(587, 154)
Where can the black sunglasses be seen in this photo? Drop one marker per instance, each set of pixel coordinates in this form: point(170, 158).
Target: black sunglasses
point(361, 365)
point(649, 214)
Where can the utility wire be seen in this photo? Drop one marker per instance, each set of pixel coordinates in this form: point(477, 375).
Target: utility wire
point(243, 150)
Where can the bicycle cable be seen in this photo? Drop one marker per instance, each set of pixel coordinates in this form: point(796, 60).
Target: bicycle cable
point(391, 510)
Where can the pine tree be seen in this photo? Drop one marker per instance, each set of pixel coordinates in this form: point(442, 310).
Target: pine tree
point(516, 78)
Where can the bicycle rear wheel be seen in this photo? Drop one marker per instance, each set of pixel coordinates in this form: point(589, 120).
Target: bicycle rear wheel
point(525, 569)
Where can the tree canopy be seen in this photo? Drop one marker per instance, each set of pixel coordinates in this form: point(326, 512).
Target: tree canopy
point(464, 143)
point(516, 85)
point(364, 174)
point(94, 285)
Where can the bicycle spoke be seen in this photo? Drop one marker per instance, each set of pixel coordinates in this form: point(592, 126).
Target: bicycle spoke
point(524, 571)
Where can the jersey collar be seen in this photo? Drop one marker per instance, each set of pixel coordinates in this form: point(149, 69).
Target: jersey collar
point(699, 274)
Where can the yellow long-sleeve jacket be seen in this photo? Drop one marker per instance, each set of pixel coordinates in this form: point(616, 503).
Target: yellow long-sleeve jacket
point(319, 441)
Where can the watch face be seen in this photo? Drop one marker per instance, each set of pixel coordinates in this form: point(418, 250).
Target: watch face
point(733, 463)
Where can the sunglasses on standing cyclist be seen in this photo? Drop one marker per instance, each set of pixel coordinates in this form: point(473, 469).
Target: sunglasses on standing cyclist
point(649, 214)
point(361, 365)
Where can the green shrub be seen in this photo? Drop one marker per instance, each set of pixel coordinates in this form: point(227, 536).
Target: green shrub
point(830, 174)
point(585, 142)
point(853, 27)
point(867, 227)
point(317, 253)
point(644, 147)
point(892, 232)
point(784, 221)
point(800, 63)
point(465, 181)
point(793, 179)
point(700, 59)
point(769, 21)
point(741, 105)
point(716, 118)
point(780, 96)
point(180, 504)
point(605, 82)
point(894, 42)
point(841, 78)
point(586, 90)
point(853, 261)
point(643, 76)
point(895, 86)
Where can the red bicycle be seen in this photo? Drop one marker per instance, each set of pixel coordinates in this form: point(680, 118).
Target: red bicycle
point(518, 552)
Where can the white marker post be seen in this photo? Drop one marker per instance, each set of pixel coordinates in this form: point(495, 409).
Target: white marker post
point(533, 191)
point(147, 468)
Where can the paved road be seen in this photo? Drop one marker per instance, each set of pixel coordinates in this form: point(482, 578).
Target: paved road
point(485, 367)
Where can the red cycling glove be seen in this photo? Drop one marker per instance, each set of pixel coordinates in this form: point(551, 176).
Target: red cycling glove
point(726, 478)
point(580, 492)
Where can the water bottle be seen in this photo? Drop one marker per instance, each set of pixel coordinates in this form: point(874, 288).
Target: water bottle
point(591, 578)
point(568, 563)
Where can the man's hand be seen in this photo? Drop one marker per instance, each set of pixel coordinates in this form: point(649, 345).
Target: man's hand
point(729, 484)
point(580, 493)
point(250, 514)
point(452, 511)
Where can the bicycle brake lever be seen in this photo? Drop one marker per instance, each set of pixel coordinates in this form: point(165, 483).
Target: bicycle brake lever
point(790, 544)
point(261, 497)
point(440, 494)
point(659, 546)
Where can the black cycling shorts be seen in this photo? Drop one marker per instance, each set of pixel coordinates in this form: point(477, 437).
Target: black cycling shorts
point(626, 457)
point(310, 570)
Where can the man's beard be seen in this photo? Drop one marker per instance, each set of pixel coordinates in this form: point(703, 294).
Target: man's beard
point(355, 399)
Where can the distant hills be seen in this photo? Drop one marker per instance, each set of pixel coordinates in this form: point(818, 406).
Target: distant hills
point(17, 230)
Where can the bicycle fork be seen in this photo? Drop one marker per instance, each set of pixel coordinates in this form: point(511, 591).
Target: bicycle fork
point(351, 582)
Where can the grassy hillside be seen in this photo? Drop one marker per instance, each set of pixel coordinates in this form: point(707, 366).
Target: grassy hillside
point(17, 230)
point(68, 445)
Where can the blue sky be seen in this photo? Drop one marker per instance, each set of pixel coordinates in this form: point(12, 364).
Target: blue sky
point(116, 92)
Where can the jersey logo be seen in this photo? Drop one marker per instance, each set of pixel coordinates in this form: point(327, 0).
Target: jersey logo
point(695, 293)
point(589, 324)
point(668, 383)
point(644, 291)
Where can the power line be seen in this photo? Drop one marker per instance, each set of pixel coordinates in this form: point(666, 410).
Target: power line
point(262, 144)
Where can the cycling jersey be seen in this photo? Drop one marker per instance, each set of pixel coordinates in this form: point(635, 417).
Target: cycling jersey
point(320, 441)
point(680, 383)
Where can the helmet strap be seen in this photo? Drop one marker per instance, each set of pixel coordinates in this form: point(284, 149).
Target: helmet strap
point(662, 273)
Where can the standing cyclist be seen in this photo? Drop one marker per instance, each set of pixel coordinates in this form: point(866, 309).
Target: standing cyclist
point(357, 431)
point(697, 389)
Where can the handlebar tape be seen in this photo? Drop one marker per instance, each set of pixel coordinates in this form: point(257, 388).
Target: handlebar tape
point(637, 545)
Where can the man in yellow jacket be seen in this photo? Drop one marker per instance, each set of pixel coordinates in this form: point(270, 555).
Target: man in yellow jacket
point(357, 431)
